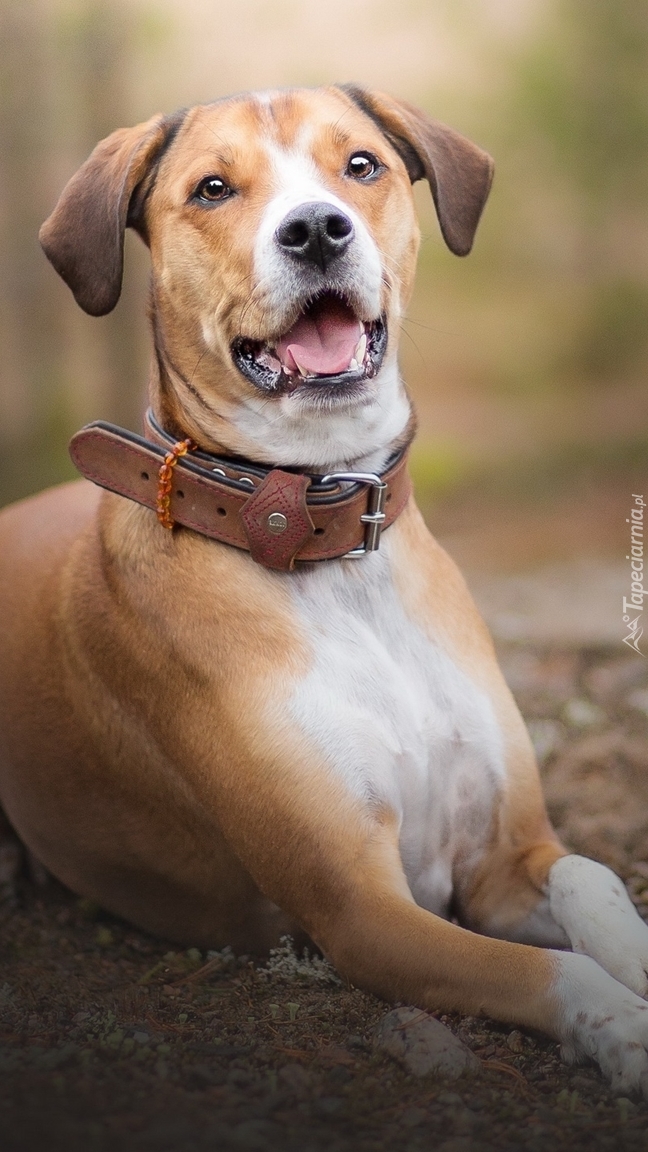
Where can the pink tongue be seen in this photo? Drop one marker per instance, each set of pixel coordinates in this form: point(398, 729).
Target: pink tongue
point(321, 343)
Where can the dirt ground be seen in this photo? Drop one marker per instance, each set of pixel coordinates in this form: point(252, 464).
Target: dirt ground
point(112, 1040)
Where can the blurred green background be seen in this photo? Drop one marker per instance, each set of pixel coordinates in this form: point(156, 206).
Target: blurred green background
point(527, 361)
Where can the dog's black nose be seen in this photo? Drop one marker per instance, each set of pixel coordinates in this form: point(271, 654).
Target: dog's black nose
point(315, 233)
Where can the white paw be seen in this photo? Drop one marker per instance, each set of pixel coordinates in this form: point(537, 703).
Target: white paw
point(591, 904)
point(602, 1020)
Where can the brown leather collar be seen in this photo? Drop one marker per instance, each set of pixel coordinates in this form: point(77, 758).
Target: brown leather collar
point(278, 515)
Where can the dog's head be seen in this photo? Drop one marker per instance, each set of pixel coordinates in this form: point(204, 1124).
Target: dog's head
point(283, 241)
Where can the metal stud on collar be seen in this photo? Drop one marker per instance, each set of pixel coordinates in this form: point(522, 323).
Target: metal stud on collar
point(277, 523)
point(374, 517)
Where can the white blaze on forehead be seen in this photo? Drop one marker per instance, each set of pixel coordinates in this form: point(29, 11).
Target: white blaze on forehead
point(298, 180)
point(289, 431)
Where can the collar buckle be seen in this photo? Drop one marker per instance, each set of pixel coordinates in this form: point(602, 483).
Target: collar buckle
point(374, 517)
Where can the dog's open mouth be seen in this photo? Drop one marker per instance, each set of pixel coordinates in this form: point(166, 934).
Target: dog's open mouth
point(327, 345)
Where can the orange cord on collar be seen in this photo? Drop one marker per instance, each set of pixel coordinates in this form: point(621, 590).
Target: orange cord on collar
point(165, 481)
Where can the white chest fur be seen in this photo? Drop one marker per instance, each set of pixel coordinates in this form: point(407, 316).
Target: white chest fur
point(397, 720)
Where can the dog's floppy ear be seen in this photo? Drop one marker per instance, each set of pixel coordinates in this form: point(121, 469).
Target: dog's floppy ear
point(458, 172)
point(84, 236)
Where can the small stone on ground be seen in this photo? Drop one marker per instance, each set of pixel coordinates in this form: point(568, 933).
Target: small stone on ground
point(423, 1045)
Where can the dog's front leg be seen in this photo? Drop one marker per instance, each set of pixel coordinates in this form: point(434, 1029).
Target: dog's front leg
point(435, 964)
point(382, 941)
point(542, 894)
point(335, 867)
point(342, 879)
point(332, 862)
point(576, 903)
point(592, 906)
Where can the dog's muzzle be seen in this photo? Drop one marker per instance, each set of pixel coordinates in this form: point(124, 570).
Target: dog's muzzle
point(328, 350)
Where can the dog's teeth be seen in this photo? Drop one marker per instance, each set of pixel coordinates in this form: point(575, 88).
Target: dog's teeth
point(302, 371)
point(353, 366)
point(359, 353)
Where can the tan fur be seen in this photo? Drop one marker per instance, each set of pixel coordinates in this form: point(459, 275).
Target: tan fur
point(147, 757)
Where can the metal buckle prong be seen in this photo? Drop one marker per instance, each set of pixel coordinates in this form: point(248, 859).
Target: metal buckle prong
point(374, 517)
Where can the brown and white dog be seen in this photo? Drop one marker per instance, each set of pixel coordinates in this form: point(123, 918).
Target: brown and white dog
point(223, 753)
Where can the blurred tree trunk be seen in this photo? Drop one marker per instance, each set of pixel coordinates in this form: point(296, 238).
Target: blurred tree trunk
point(583, 91)
point(63, 86)
point(29, 383)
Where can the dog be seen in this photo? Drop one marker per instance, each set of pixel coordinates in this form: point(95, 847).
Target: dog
point(242, 693)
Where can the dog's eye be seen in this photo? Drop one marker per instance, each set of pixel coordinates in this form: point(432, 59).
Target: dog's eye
point(362, 166)
point(212, 189)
